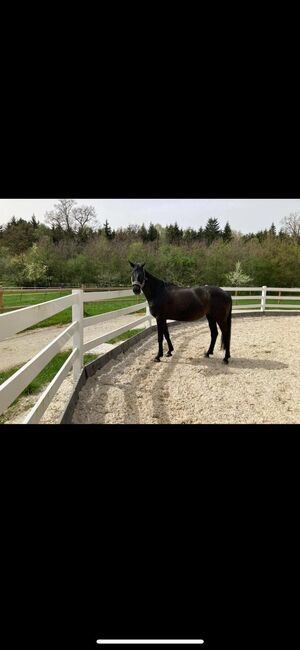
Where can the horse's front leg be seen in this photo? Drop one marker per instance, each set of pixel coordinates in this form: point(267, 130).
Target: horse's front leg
point(169, 342)
point(160, 334)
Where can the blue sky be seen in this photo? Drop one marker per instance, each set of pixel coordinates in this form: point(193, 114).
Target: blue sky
point(244, 215)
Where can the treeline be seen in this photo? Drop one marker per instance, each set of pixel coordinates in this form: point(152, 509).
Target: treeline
point(71, 248)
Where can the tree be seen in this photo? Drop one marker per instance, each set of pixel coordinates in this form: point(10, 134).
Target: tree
point(291, 225)
point(272, 231)
point(190, 235)
point(84, 215)
point(19, 235)
point(261, 235)
point(107, 230)
point(212, 230)
point(282, 234)
point(200, 234)
point(227, 233)
point(62, 216)
point(237, 278)
point(34, 222)
point(35, 269)
point(152, 233)
point(173, 234)
point(143, 233)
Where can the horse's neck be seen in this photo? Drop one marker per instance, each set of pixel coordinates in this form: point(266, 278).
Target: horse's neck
point(152, 286)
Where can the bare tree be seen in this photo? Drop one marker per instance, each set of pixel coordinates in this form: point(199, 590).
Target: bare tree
point(291, 224)
point(62, 216)
point(85, 215)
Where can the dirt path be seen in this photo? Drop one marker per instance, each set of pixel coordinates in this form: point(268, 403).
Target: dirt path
point(22, 347)
point(261, 384)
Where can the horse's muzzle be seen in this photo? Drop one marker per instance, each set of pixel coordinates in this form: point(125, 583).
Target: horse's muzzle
point(136, 289)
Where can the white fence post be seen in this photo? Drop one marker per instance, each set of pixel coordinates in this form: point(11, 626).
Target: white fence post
point(77, 315)
point(263, 298)
point(149, 321)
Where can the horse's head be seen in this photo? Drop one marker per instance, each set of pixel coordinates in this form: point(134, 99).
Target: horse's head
point(138, 277)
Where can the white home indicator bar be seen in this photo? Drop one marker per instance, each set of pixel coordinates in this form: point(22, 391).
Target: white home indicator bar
point(149, 641)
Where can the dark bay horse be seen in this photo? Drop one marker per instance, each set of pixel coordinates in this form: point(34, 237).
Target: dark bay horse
point(167, 301)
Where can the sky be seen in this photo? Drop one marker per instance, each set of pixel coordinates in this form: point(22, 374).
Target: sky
point(244, 215)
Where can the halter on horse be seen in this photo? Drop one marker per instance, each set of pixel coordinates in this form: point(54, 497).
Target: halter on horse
point(167, 301)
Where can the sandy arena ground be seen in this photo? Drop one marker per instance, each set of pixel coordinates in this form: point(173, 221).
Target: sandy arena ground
point(261, 384)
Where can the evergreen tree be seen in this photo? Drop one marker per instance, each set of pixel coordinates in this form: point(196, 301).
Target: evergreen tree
point(152, 233)
point(282, 234)
point(190, 235)
point(227, 233)
point(200, 234)
point(34, 222)
point(212, 230)
point(272, 230)
point(143, 233)
point(174, 234)
point(261, 235)
point(107, 230)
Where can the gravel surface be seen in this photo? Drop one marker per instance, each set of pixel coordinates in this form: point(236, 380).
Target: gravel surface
point(18, 349)
point(261, 384)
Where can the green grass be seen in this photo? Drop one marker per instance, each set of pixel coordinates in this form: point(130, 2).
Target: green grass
point(125, 336)
point(280, 304)
point(65, 316)
point(25, 299)
point(45, 376)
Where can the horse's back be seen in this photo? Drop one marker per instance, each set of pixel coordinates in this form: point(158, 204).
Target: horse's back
point(185, 304)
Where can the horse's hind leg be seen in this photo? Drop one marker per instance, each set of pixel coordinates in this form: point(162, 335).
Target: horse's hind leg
point(225, 338)
point(169, 342)
point(213, 333)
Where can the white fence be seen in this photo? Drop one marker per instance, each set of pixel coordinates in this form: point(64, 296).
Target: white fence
point(14, 322)
point(263, 297)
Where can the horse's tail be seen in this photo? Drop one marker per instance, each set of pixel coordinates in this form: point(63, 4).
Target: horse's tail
point(228, 323)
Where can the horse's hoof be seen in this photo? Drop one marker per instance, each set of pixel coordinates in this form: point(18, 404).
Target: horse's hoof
point(169, 354)
point(156, 359)
point(206, 354)
point(225, 361)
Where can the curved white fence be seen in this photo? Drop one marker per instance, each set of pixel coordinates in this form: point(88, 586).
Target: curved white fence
point(19, 320)
point(13, 322)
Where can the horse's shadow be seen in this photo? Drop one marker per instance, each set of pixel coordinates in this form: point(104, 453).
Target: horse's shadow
point(219, 367)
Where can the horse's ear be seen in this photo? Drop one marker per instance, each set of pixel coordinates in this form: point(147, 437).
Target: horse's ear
point(142, 265)
point(131, 264)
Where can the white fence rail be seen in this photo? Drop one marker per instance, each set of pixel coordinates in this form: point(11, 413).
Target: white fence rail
point(263, 297)
point(13, 322)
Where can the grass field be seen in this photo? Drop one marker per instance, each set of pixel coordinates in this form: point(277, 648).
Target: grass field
point(42, 379)
point(103, 306)
point(65, 316)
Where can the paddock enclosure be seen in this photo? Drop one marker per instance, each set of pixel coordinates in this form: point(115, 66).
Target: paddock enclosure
point(261, 384)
